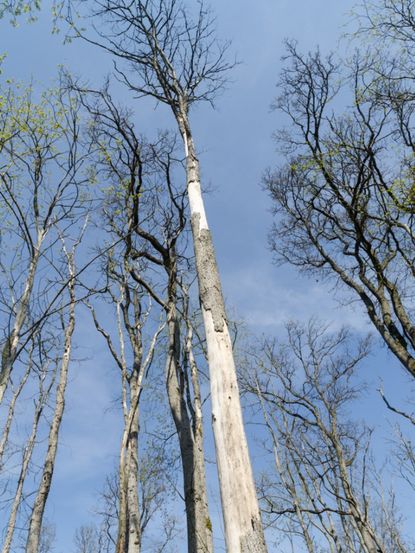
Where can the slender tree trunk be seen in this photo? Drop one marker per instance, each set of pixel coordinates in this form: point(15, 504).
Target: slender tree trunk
point(35, 525)
point(8, 354)
point(199, 527)
point(369, 541)
point(134, 536)
point(122, 535)
point(27, 454)
point(200, 469)
point(10, 414)
point(129, 530)
point(129, 519)
point(243, 526)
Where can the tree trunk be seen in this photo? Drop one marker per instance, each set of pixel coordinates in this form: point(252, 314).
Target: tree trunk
point(134, 535)
point(9, 350)
point(367, 537)
point(122, 535)
point(35, 526)
point(129, 531)
point(199, 527)
point(129, 520)
point(27, 455)
point(243, 527)
point(6, 430)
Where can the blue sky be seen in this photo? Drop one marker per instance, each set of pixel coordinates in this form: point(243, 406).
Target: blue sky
point(235, 147)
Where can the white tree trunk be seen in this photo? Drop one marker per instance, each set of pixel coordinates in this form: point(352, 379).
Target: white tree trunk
point(134, 528)
point(6, 430)
point(243, 527)
point(122, 534)
point(27, 455)
point(35, 525)
point(129, 531)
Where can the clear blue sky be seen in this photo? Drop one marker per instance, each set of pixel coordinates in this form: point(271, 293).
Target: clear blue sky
point(235, 147)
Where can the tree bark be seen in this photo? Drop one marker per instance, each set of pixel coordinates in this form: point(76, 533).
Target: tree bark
point(129, 531)
point(27, 455)
point(134, 537)
point(8, 355)
point(368, 539)
point(243, 527)
point(199, 527)
point(35, 525)
point(10, 414)
point(122, 534)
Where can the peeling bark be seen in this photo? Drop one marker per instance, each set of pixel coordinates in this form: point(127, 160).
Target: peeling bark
point(243, 527)
point(177, 63)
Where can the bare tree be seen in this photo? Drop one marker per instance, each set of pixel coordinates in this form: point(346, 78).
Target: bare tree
point(344, 201)
point(41, 159)
point(89, 539)
point(404, 458)
point(46, 363)
point(324, 485)
point(182, 376)
point(34, 537)
point(131, 319)
point(155, 474)
point(148, 222)
point(86, 540)
point(46, 379)
point(177, 61)
point(47, 537)
point(123, 166)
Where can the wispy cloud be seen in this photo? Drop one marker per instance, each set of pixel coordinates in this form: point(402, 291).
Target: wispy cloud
point(267, 297)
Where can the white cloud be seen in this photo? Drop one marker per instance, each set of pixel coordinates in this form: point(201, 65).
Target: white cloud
point(269, 297)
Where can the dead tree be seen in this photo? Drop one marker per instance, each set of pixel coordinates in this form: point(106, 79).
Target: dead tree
point(177, 61)
point(134, 363)
point(148, 222)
